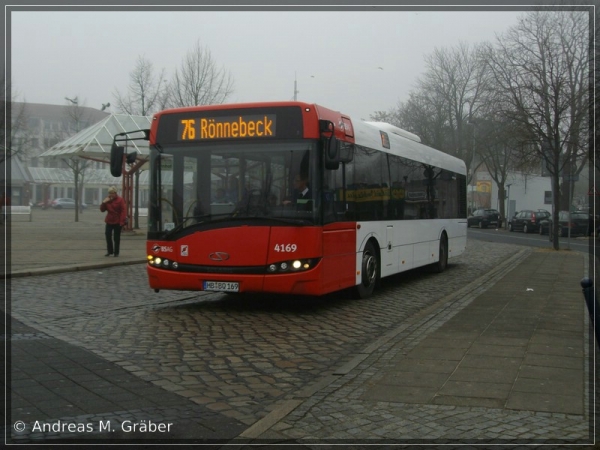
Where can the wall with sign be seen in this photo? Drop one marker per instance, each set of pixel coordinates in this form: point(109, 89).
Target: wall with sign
point(528, 191)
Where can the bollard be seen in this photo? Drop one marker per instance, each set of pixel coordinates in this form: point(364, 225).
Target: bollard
point(589, 293)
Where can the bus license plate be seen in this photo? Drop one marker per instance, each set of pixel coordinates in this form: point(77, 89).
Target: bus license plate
point(221, 286)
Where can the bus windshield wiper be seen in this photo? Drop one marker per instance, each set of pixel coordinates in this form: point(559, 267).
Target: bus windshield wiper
point(229, 217)
point(274, 219)
point(199, 221)
point(292, 221)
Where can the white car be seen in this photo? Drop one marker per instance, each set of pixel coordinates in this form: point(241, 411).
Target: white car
point(66, 203)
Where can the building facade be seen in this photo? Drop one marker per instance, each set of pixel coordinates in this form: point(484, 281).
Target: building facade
point(37, 179)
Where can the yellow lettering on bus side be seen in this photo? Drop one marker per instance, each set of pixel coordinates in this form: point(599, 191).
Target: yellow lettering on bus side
point(267, 123)
point(189, 132)
point(203, 130)
point(236, 128)
point(242, 127)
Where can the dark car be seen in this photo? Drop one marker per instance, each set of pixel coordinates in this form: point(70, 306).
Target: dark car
point(483, 218)
point(528, 220)
point(579, 224)
point(67, 203)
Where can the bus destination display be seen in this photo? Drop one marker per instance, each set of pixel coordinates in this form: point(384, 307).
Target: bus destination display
point(228, 127)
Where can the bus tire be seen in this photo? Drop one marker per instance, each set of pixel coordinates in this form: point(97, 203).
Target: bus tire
point(442, 263)
point(369, 271)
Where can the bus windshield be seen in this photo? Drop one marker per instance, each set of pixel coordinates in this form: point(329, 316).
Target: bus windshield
point(204, 184)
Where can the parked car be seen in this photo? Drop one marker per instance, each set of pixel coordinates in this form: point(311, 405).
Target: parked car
point(483, 218)
point(65, 203)
point(581, 224)
point(527, 221)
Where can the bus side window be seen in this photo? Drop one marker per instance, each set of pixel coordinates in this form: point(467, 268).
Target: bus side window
point(401, 206)
point(332, 196)
point(370, 184)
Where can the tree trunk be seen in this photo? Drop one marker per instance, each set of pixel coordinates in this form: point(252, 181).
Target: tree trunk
point(555, 202)
point(501, 200)
point(77, 200)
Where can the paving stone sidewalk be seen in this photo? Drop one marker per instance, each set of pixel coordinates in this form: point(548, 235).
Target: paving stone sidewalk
point(506, 359)
point(55, 384)
point(509, 362)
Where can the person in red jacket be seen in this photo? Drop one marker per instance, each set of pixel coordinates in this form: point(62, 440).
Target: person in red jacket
point(115, 220)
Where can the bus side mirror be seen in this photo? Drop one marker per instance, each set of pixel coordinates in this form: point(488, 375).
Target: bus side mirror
point(332, 153)
point(116, 160)
point(331, 146)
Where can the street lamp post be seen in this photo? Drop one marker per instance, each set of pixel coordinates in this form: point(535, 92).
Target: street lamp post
point(296, 91)
point(507, 205)
point(471, 170)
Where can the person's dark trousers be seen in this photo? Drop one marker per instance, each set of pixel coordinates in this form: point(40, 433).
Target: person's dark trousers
point(113, 231)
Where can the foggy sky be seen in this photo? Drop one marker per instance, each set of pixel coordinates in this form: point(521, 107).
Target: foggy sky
point(354, 62)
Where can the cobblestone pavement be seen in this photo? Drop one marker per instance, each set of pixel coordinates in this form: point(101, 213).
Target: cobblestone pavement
point(347, 407)
point(245, 357)
point(52, 242)
point(231, 353)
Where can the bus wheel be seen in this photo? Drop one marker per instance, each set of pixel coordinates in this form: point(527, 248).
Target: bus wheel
point(369, 271)
point(441, 265)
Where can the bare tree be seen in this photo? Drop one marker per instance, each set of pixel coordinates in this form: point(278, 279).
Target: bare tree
point(199, 81)
point(73, 122)
point(20, 133)
point(390, 116)
point(440, 110)
point(455, 78)
point(147, 92)
point(541, 72)
point(15, 134)
point(499, 146)
point(424, 114)
point(78, 166)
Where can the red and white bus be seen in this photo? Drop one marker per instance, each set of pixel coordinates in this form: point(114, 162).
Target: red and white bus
point(224, 216)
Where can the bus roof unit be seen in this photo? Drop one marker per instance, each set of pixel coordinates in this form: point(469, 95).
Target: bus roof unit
point(368, 134)
point(395, 130)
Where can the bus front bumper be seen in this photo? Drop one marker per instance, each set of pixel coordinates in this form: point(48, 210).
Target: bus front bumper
point(300, 283)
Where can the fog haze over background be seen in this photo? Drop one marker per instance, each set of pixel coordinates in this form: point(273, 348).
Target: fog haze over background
point(354, 62)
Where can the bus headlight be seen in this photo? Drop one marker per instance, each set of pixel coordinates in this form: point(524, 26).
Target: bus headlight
point(296, 265)
point(157, 261)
